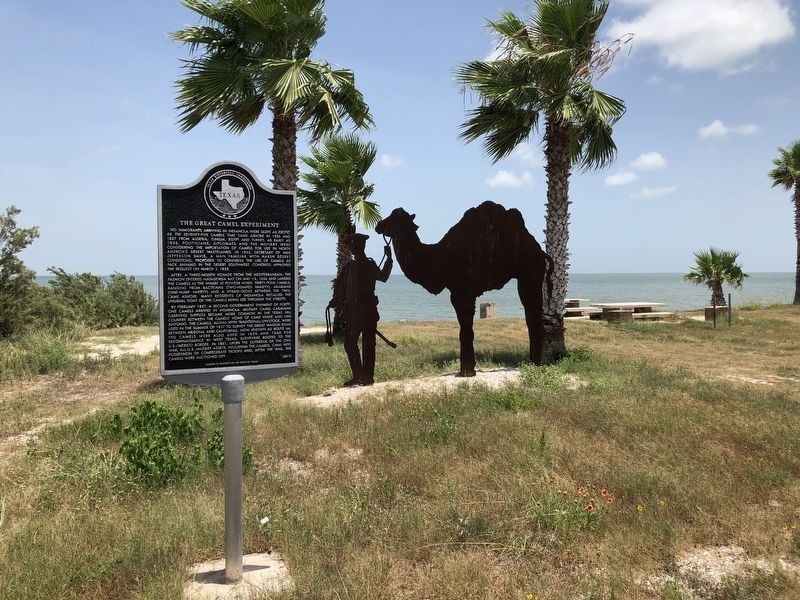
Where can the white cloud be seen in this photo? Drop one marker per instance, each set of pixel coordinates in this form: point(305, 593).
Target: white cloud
point(718, 129)
point(650, 161)
point(647, 193)
point(510, 179)
point(748, 129)
point(528, 155)
point(391, 162)
point(620, 179)
point(711, 34)
point(715, 129)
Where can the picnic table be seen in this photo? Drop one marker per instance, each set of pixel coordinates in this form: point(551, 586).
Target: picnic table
point(612, 311)
point(574, 310)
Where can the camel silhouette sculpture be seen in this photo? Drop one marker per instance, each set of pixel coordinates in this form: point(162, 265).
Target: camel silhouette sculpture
point(483, 251)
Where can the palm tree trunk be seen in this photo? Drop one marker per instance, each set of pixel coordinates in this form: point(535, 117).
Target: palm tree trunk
point(557, 137)
point(717, 295)
point(284, 150)
point(342, 256)
point(797, 235)
point(285, 175)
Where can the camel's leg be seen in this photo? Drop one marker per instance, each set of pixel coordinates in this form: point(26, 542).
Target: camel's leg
point(530, 291)
point(465, 311)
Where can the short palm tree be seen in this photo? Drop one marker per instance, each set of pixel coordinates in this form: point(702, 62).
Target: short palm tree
point(545, 73)
point(713, 268)
point(787, 174)
point(256, 54)
point(337, 196)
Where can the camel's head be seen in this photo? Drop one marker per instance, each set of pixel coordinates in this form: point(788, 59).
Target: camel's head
point(397, 223)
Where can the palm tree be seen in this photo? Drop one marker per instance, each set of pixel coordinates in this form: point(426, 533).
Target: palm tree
point(713, 268)
point(337, 196)
point(545, 71)
point(252, 54)
point(787, 174)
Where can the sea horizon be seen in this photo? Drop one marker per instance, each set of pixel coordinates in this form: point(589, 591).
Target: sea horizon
point(402, 300)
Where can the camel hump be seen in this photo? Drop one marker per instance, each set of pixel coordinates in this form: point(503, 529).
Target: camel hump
point(492, 215)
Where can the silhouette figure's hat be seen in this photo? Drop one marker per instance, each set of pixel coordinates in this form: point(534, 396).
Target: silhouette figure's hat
point(356, 238)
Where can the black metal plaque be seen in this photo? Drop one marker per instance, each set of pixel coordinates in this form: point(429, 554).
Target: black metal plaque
point(227, 278)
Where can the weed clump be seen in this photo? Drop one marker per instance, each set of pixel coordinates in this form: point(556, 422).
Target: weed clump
point(162, 444)
point(548, 377)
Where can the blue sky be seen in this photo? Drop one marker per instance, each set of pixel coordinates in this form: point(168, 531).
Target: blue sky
point(712, 88)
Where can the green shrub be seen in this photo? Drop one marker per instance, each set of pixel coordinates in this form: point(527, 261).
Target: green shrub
point(162, 444)
point(153, 457)
point(100, 303)
point(16, 280)
point(152, 445)
point(154, 417)
point(215, 445)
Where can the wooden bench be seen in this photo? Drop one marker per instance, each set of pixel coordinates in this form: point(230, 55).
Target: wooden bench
point(582, 312)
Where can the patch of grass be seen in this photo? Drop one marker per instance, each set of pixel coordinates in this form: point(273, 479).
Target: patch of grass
point(549, 377)
point(38, 352)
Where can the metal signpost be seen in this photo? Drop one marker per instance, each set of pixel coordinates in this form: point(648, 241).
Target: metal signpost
point(228, 295)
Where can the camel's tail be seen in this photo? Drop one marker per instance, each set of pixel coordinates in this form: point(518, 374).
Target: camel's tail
point(549, 277)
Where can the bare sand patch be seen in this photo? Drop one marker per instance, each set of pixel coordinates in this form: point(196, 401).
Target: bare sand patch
point(491, 378)
point(703, 571)
point(96, 347)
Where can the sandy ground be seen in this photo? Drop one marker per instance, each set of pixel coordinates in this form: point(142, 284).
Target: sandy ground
point(491, 378)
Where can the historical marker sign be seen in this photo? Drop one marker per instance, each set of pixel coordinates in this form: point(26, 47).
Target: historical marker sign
point(228, 278)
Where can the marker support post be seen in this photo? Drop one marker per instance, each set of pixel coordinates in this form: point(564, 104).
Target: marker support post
point(232, 398)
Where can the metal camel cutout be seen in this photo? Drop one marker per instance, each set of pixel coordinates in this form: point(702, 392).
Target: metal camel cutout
point(483, 251)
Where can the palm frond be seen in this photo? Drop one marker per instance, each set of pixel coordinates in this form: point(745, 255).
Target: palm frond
point(255, 53)
point(503, 126)
point(367, 213)
point(337, 193)
point(715, 267)
point(787, 167)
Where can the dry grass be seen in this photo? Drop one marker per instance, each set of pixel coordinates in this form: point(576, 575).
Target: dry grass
point(459, 494)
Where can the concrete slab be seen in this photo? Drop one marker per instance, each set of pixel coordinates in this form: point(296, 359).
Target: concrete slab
point(262, 573)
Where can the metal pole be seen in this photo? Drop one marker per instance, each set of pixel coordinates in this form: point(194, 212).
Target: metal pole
point(233, 397)
point(730, 310)
point(714, 309)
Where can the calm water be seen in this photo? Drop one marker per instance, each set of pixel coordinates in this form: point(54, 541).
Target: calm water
point(402, 300)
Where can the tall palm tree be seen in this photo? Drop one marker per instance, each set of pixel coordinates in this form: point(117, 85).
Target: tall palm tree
point(337, 196)
point(545, 72)
point(787, 174)
point(252, 54)
point(713, 268)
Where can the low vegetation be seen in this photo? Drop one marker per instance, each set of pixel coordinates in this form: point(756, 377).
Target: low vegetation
point(540, 489)
point(41, 325)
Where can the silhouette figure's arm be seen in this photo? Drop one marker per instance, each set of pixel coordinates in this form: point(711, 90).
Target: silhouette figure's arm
point(339, 288)
point(383, 274)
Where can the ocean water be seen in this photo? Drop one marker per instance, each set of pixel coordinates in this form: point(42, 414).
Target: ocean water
point(401, 300)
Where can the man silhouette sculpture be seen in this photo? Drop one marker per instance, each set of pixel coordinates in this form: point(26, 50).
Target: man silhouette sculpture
point(355, 291)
